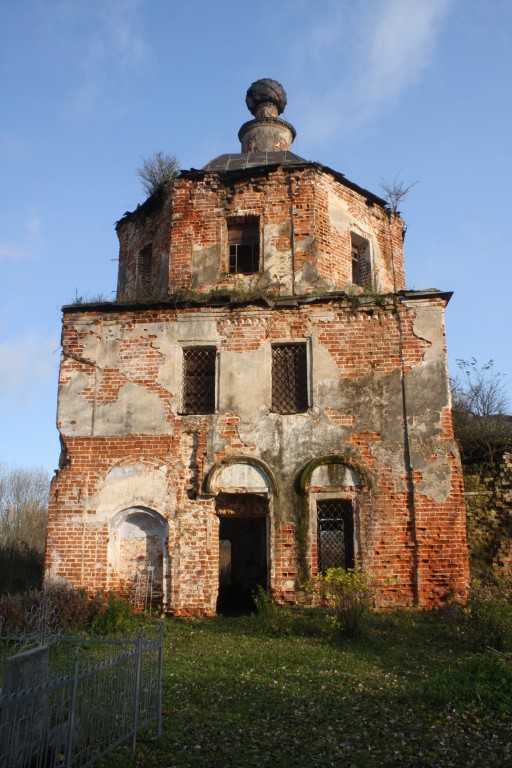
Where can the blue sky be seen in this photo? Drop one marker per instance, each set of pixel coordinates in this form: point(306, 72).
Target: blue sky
point(376, 88)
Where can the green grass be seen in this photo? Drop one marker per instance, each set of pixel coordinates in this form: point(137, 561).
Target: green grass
point(285, 691)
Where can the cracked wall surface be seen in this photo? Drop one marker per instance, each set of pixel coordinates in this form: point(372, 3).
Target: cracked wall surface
point(139, 478)
point(386, 425)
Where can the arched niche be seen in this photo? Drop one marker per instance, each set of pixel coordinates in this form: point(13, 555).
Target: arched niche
point(332, 472)
point(138, 555)
point(240, 474)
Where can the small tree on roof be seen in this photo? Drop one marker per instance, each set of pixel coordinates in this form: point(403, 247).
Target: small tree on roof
point(156, 170)
point(395, 191)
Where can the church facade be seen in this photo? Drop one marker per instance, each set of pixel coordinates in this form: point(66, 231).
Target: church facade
point(264, 399)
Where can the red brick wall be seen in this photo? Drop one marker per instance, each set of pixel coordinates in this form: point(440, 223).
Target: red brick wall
point(305, 248)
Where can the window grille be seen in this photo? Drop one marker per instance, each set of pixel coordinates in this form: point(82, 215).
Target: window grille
point(199, 379)
point(335, 534)
point(289, 378)
point(244, 245)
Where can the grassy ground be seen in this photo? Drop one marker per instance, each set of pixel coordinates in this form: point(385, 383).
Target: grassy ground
point(244, 692)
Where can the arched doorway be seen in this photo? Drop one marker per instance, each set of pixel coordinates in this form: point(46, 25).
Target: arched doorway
point(138, 555)
point(243, 550)
point(243, 487)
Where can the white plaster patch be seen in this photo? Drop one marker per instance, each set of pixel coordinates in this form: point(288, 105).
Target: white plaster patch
point(244, 384)
point(75, 413)
point(135, 411)
point(234, 477)
point(436, 480)
point(277, 262)
point(339, 215)
point(334, 475)
point(141, 487)
point(121, 472)
point(429, 325)
point(104, 352)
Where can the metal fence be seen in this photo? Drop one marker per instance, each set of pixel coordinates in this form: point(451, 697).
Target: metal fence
point(66, 702)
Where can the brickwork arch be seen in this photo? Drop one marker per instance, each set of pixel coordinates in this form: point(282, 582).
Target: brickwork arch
point(333, 489)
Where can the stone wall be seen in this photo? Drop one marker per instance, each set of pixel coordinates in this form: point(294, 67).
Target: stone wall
point(489, 510)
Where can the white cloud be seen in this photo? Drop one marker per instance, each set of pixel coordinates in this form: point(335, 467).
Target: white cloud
point(27, 242)
point(26, 362)
point(114, 47)
point(380, 48)
point(11, 252)
point(398, 49)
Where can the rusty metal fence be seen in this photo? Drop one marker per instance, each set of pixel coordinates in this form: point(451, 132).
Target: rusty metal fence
point(66, 702)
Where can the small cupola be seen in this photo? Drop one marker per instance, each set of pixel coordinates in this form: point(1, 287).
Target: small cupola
point(266, 100)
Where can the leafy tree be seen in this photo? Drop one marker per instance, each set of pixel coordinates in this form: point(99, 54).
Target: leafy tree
point(156, 170)
point(480, 404)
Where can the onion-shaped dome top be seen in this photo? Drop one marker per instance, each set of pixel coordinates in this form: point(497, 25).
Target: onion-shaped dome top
point(264, 94)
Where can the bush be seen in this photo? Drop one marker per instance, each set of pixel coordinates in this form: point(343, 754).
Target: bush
point(69, 609)
point(347, 596)
point(14, 609)
point(114, 616)
point(269, 616)
point(489, 615)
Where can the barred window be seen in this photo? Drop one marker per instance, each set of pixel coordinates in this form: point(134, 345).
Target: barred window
point(289, 378)
point(244, 245)
point(335, 534)
point(199, 379)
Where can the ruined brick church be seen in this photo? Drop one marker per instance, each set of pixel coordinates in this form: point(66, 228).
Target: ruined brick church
point(263, 400)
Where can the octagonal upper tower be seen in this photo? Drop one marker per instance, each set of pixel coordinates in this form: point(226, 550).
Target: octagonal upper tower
point(261, 222)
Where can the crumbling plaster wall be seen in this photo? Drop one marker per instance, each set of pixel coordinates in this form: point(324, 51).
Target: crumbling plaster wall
point(120, 398)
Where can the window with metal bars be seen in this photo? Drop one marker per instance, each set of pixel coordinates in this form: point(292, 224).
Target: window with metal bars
point(289, 378)
point(199, 379)
point(244, 245)
point(335, 531)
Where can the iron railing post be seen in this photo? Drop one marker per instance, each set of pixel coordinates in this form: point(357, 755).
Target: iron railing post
point(72, 713)
point(160, 677)
point(136, 703)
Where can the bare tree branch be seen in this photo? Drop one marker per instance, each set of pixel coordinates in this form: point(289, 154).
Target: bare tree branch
point(480, 411)
point(23, 507)
point(395, 191)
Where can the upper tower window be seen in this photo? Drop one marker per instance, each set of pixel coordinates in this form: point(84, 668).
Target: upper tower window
point(244, 245)
point(144, 267)
point(361, 262)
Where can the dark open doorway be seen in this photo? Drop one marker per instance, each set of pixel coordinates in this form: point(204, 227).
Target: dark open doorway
point(242, 562)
